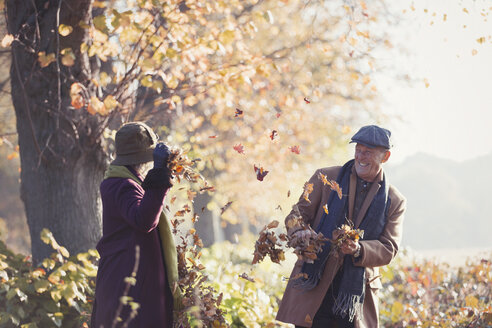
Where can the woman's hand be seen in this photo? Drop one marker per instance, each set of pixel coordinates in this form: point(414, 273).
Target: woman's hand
point(161, 155)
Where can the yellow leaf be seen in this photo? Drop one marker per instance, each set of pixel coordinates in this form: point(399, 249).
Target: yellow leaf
point(7, 40)
point(110, 103)
point(426, 82)
point(44, 59)
point(65, 30)
point(64, 252)
point(227, 36)
point(481, 40)
point(68, 57)
point(474, 52)
point(363, 34)
point(471, 301)
point(176, 99)
point(444, 17)
point(100, 23)
point(465, 10)
point(190, 101)
point(97, 106)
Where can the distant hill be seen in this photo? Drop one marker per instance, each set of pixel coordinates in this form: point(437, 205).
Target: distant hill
point(449, 203)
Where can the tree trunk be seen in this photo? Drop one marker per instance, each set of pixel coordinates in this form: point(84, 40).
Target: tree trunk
point(61, 150)
point(207, 226)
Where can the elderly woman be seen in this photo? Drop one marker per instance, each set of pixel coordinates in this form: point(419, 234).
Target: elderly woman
point(132, 216)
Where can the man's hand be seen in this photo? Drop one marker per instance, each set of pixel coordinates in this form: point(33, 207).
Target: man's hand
point(161, 155)
point(349, 247)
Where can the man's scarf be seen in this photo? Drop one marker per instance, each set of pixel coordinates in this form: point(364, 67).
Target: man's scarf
point(168, 246)
point(352, 285)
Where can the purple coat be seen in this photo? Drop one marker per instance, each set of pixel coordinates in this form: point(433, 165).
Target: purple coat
point(130, 218)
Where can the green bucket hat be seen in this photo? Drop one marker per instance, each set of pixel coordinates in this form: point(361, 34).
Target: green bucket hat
point(135, 143)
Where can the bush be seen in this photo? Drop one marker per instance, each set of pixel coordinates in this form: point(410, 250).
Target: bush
point(58, 293)
point(427, 294)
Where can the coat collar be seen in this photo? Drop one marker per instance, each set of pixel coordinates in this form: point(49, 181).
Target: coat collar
point(367, 202)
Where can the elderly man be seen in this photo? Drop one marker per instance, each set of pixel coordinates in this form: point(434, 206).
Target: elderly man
point(340, 288)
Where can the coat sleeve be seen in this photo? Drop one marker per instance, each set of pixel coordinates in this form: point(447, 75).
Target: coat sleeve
point(141, 208)
point(307, 209)
point(381, 251)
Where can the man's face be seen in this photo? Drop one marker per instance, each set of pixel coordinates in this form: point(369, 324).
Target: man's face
point(368, 161)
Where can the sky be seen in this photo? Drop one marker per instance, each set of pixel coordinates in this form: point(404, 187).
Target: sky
point(447, 109)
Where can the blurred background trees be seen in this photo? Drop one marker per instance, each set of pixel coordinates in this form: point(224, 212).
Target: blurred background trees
point(276, 84)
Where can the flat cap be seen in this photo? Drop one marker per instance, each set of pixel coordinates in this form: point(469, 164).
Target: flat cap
point(373, 136)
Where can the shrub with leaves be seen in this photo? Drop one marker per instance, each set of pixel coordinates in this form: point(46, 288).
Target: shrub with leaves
point(428, 294)
point(57, 293)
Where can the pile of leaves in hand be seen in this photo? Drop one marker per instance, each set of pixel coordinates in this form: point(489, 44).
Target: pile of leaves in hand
point(346, 232)
point(182, 167)
point(270, 244)
point(305, 246)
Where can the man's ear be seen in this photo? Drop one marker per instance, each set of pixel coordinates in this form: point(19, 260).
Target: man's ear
point(386, 156)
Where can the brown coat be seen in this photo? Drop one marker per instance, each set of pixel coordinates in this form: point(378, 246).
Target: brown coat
point(298, 306)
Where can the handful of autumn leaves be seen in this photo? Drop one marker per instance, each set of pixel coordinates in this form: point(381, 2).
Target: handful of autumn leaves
point(305, 246)
point(182, 168)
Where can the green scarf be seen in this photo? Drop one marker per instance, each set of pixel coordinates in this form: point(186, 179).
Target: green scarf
point(167, 239)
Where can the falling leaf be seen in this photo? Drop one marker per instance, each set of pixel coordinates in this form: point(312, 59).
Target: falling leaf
point(332, 184)
point(273, 134)
point(325, 207)
point(336, 187)
point(213, 137)
point(465, 10)
point(308, 189)
point(260, 172)
point(308, 318)
point(65, 30)
point(426, 82)
point(207, 188)
point(307, 100)
point(481, 40)
point(239, 148)
point(173, 199)
point(474, 52)
point(239, 113)
point(7, 40)
point(278, 115)
point(246, 277)
point(295, 149)
point(288, 193)
point(225, 207)
point(191, 194)
point(278, 208)
point(444, 17)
